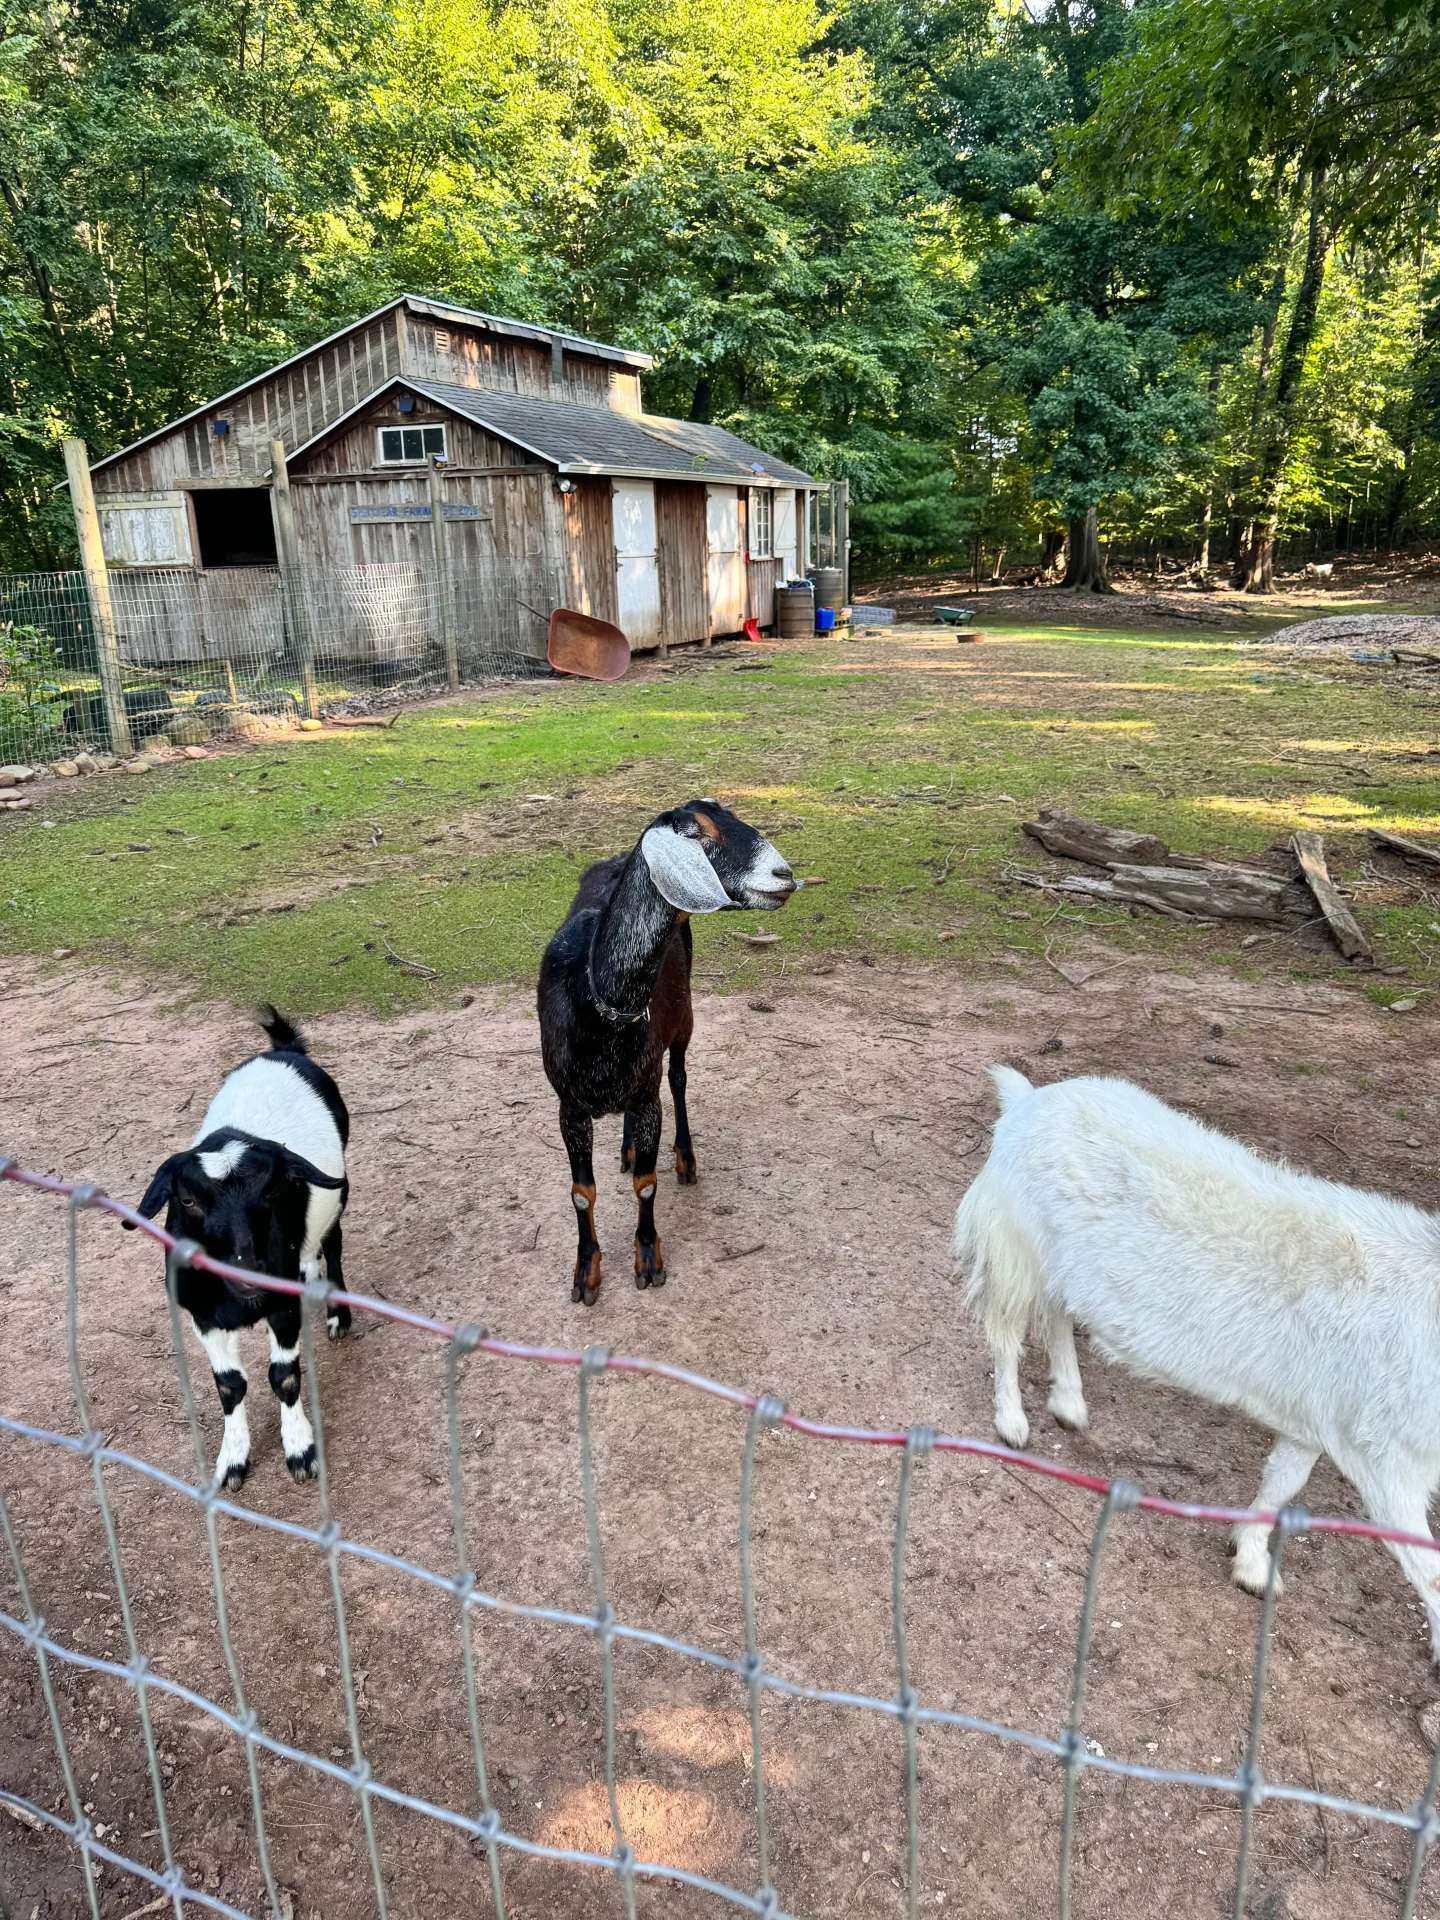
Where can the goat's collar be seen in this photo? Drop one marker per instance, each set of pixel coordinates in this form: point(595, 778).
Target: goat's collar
point(615, 1015)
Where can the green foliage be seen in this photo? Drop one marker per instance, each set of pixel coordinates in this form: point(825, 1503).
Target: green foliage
point(32, 701)
point(990, 264)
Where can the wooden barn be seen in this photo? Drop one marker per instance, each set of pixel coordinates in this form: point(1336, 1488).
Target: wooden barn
point(448, 479)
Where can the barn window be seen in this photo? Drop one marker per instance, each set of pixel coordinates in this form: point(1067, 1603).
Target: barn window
point(762, 524)
point(402, 446)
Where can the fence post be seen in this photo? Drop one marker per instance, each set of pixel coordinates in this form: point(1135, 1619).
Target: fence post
point(97, 581)
point(287, 544)
point(435, 481)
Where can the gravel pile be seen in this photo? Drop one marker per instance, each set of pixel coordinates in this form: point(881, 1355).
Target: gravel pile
point(1343, 631)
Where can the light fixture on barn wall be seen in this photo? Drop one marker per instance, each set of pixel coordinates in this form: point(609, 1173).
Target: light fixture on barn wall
point(564, 486)
point(219, 428)
point(407, 403)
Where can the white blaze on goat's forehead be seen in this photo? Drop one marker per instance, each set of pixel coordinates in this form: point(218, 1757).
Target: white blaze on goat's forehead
point(266, 1097)
point(223, 1162)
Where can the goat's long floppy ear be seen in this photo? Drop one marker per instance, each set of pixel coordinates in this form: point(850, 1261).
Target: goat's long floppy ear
point(299, 1168)
point(682, 874)
point(160, 1190)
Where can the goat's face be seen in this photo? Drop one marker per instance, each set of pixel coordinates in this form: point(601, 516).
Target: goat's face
point(703, 858)
point(246, 1207)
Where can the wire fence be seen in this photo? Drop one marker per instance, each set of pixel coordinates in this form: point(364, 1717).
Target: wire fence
point(227, 653)
point(1248, 1786)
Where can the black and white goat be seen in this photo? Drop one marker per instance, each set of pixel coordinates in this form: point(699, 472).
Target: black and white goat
point(262, 1188)
point(614, 996)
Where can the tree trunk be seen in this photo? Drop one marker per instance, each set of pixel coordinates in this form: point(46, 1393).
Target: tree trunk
point(1086, 571)
point(1054, 547)
point(1258, 567)
point(999, 568)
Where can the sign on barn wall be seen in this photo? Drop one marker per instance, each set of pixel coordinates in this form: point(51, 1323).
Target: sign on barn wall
point(407, 511)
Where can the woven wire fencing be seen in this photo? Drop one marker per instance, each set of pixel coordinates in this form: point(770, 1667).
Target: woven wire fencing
point(494, 1843)
point(224, 654)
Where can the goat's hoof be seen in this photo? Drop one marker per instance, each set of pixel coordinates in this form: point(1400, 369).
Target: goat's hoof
point(1255, 1577)
point(627, 1160)
point(235, 1476)
point(337, 1328)
point(1069, 1409)
point(1013, 1431)
point(651, 1277)
point(686, 1173)
point(303, 1466)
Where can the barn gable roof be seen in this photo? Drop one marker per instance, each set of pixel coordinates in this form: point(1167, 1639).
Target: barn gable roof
point(598, 440)
point(414, 303)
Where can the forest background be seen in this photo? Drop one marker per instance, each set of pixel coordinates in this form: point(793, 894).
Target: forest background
point(1162, 276)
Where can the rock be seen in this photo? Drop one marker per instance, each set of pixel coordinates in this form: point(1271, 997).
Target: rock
point(158, 743)
point(196, 753)
point(104, 762)
point(254, 726)
point(61, 953)
point(138, 765)
point(17, 774)
point(65, 770)
point(86, 763)
point(1403, 1006)
point(310, 726)
point(187, 730)
point(7, 779)
point(15, 806)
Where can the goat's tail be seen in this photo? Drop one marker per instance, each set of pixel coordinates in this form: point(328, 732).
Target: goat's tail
point(993, 1253)
point(283, 1037)
point(1010, 1086)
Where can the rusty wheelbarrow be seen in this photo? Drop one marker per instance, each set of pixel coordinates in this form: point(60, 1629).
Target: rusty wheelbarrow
point(591, 648)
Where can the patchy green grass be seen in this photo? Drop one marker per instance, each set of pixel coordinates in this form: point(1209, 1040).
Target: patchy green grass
point(898, 770)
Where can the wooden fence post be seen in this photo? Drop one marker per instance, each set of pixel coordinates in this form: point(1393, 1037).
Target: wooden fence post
point(435, 480)
point(97, 581)
point(292, 585)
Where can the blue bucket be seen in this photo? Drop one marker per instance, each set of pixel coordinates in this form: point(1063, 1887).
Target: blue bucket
point(824, 619)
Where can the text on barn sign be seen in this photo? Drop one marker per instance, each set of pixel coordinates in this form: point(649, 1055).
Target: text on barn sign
point(459, 512)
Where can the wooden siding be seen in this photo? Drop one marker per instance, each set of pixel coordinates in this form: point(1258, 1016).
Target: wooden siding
point(471, 356)
point(355, 449)
point(293, 405)
point(590, 537)
point(680, 539)
point(763, 577)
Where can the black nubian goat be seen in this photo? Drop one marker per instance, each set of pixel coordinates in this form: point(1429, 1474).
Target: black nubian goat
point(263, 1188)
point(615, 995)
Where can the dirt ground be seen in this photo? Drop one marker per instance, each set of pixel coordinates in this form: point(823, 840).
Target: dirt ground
point(1360, 583)
point(836, 1124)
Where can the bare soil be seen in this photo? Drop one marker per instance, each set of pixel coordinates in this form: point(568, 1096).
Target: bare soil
point(836, 1126)
point(1409, 583)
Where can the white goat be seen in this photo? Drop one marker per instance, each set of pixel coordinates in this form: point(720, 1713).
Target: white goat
point(1312, 1307)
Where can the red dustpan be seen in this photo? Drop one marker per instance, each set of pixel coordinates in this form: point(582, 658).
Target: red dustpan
point(591, 648)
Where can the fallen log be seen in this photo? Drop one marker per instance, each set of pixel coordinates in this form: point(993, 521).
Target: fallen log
point(1212, 891)
point(1410, 849)
point(363, 719)
point(1079, 839)
point(1310, 852)
point(1200, 893)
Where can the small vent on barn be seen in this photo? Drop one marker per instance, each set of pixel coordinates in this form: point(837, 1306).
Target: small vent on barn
point(442, 340)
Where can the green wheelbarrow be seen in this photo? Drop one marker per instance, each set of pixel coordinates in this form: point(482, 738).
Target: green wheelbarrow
point(954, 616)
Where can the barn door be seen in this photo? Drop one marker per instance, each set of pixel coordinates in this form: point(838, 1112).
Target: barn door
point(786, 546)
point(726, 564)
point(637, 571)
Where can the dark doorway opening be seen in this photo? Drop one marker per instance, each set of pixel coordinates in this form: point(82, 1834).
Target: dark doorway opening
point(234, 526)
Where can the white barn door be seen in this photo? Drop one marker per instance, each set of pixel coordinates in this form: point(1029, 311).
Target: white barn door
point(726, 563)
point(637, 571)
point(786, 548)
